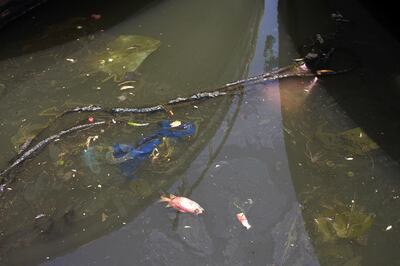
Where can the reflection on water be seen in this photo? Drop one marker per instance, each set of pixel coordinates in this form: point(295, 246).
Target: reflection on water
point(345, 177)
point(316, 186)
point(69, 194)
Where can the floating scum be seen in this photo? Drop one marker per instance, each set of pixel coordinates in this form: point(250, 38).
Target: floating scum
point(124, 54)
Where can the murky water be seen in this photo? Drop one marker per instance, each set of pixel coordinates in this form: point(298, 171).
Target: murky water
point(318, 183)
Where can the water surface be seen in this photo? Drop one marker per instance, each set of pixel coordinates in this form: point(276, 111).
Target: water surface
point(287, 153)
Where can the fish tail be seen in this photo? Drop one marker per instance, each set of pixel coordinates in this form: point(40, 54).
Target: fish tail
point(164, 199)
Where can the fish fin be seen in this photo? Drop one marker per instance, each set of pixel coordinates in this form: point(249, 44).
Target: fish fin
point(164, 199)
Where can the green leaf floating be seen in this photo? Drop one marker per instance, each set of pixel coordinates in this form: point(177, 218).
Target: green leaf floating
point(125, 54)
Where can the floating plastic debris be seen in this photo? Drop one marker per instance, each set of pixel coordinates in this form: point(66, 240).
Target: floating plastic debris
point(40, 216)
point(95, 16)
point(104, 217)
point(176, 123)
point(126, 87)
point(389, 228)
point(136, 124)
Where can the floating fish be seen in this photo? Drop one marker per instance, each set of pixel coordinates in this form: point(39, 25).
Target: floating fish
point(182, 204)
point(243, 220)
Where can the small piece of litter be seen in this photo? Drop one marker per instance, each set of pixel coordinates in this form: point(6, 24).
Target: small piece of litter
point(99, 186)
point(79, 27)
point(40, 216)
point(187, 226)
point(350, 174)
point(349, 158)
point(176, 123)
point(95, 16)
point(195, 107)
point(388, 228)
point(126, 87)
point(71, 60)
point(122, 98)
point(134, 124)
point(217, 165)
point(243, 220)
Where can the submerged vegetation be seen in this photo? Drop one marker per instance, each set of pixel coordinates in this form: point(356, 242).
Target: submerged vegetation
point(124, 54)
point(338, 221)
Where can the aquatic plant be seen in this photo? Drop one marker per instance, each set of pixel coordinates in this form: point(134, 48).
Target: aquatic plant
point(339, 221)
point(125, 54)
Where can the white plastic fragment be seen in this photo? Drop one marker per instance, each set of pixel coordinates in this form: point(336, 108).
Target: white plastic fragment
point(40, 216)
point(349, 158)
point(126, 87)
point(176, 123)
point(388, 228)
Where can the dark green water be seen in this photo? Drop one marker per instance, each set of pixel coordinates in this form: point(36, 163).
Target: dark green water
point(313, 166)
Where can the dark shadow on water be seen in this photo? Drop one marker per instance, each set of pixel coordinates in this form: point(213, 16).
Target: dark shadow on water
point(369, 94)
point(57, 22)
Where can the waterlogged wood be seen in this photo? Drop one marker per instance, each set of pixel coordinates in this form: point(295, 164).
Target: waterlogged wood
point(297, 70)
point(42, 144)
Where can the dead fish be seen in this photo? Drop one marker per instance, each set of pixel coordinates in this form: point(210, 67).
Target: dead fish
point(182, 204)
point(243, 220)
